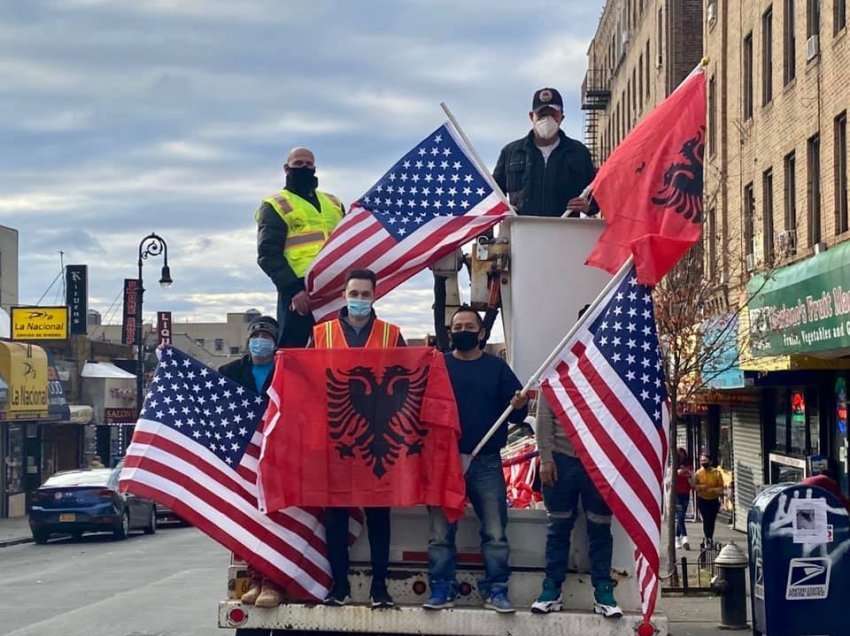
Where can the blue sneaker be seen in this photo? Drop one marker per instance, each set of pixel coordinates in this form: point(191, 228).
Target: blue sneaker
point(499, 602)
point(604, 602)
point(442, 597)
point(549, 599)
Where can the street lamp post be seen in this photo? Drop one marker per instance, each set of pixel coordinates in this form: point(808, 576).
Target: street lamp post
point(151, 245)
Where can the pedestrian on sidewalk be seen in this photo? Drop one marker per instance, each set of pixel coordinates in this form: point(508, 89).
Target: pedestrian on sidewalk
point(684, 482)
point(708, 483)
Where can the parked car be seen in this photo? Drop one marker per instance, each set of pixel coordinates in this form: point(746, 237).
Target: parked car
point(78, 501)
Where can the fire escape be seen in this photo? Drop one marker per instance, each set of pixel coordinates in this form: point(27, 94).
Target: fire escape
point(595, 96)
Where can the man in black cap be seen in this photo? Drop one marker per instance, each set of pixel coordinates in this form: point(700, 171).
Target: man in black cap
point(545, 172)
point(254, 372)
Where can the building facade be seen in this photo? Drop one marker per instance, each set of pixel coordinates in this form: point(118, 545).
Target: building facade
point(213, 343)
point(8, 267)
point(641, 51)
point(776, 230)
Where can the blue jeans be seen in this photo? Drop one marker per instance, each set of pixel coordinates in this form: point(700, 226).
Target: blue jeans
point(682, 502)
point(485, 487)
point(561, 501)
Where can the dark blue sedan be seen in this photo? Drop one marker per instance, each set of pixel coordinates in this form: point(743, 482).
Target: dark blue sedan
point(79, 501)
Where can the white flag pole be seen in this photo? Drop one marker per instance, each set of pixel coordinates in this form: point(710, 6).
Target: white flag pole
point(478, 163)
point(535, 377)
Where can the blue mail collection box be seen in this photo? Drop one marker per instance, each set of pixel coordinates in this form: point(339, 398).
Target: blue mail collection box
point(799, 539)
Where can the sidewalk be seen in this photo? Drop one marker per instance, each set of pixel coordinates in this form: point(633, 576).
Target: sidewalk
point(14, 531)
point(697, 615)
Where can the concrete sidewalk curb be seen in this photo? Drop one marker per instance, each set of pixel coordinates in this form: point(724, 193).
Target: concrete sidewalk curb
point(8, 543)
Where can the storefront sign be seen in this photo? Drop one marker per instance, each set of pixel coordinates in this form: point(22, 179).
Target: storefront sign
point(802, 308)
point(57, 405)
point(24, 369)
point(163, 327)
point(721, 369)
point(130, 329)
point(40, 323)
point(77, 297)
point(119, 415)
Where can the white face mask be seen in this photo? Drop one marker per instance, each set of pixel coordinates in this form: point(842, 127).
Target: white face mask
point(546, 128)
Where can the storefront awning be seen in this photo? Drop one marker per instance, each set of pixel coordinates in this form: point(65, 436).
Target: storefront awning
point(104, 370)
point(23, 367)
point(804, 308)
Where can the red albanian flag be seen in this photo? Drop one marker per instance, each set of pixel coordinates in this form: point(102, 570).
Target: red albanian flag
point(362, 427)
point(650, 188)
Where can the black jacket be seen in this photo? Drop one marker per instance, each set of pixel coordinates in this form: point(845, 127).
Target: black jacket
point(241, 372)
point(271, 236)
point(543, 189)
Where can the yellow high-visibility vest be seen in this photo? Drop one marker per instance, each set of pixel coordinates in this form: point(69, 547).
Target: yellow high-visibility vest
point(307, 229)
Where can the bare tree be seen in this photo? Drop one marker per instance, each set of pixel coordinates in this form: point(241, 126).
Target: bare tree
point(697, 318)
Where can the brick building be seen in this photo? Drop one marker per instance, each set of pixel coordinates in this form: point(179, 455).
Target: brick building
point(640, 52)
point(776, 230)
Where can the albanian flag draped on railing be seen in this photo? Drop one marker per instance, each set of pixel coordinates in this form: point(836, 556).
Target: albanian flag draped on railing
point(361, 427)
point(650, 189)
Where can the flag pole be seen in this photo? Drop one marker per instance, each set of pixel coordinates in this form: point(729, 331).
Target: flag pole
point(477, 159)
point(535, 377)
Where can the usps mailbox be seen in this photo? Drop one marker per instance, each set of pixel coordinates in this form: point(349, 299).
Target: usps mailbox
point(799, 538)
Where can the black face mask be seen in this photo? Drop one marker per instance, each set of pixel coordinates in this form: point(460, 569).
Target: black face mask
point(301, 180)
point(464, 340)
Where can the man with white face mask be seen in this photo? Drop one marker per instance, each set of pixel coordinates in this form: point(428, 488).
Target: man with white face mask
point(545, 172)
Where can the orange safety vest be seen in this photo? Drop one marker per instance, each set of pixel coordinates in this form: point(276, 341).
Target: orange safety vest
point(329, 335)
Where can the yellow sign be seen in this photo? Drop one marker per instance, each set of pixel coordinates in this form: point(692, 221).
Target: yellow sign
point(24, 368)
point(39, 323)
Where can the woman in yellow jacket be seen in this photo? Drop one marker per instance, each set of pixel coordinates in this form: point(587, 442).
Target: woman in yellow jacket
point(708, 484)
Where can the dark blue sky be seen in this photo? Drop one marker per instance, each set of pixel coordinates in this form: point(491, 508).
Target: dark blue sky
point(174, 116)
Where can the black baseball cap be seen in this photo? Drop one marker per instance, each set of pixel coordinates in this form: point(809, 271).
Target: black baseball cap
point(547, 98)
point(264, 324)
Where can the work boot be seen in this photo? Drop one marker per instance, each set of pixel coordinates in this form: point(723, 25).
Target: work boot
point(685, 545)
point(549, 599)
point(269, 596)
point(250, 597)
point(604, 601)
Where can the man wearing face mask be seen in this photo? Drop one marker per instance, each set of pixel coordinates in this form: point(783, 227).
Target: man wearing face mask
point(254, 372)
point(483, 386)
point(545, 172)
point(293, 226)
point(358, 326)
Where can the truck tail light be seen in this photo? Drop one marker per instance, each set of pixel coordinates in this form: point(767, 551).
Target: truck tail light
point(237, 616)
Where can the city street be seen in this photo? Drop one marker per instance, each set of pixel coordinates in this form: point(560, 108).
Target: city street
point(168, 583)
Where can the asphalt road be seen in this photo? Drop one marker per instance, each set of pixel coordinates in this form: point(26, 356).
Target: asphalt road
point(168, 584)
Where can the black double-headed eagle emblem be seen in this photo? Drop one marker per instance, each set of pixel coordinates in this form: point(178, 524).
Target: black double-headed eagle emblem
point(683, 181)
point(376, 420)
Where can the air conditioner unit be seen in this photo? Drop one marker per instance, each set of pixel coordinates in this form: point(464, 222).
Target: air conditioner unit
point(786, 242)
point(750, 262)
point(820, 247)
point(723, 278)
point(812, 47)
point(625, 36)
point(711, 12)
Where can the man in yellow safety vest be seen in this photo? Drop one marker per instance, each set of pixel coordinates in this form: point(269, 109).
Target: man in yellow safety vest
point(292, 227)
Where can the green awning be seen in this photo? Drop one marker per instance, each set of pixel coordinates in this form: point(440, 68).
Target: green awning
point(803, 308)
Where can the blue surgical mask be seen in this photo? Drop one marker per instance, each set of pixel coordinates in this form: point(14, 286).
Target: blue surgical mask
point(261, 347)
point(359, 308)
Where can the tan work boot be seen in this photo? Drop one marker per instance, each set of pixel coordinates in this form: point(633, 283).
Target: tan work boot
point(270, 596)
point(250, 597)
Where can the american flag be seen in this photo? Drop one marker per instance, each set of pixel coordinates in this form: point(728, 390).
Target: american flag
point(607, 388)
point(195, 450)
point(432, 201)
